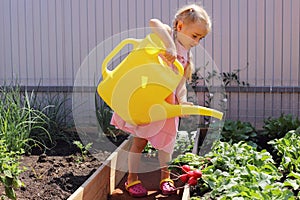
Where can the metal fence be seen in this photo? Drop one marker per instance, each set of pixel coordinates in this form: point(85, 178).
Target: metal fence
point(44, 42)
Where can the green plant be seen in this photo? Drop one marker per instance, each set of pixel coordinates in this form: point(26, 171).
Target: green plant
point(212, 77)
point(184, 141)
point(216, 82)
point(58, 122)
point(18, 119)
point(236, 171)
point(193, 160)
point(236, 131)
point(36, 175)
point(232, 78)
point(228, 78)
point(275, 128)
point(84, 149)
point(288, 148)
point(149, 151)
point(104, 114)
point(10, 170)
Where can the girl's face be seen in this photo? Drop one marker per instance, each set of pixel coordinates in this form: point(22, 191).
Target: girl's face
point(190, 34)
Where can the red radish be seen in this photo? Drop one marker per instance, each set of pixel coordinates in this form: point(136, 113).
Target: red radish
point(197, 173)
point(190, 173)
point(192, 181)
point(184, 178)
point(186, 168)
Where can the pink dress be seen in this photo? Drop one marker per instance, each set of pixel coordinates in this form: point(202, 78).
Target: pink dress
point(161, 134)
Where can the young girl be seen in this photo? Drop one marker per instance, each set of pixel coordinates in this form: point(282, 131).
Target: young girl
point(191, 24)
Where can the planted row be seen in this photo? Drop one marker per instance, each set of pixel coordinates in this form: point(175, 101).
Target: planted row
point(238, 170)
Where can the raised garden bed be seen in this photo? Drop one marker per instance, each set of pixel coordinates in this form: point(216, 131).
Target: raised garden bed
point(108, 180)
point(109, 183)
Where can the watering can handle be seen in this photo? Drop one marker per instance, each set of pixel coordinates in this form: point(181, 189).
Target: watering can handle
point(132, 41)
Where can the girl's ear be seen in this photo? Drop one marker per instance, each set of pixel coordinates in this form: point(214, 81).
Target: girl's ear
point(179, 25)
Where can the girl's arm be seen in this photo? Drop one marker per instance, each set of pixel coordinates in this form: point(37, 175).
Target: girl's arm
point(181, 92)
point(164, 32)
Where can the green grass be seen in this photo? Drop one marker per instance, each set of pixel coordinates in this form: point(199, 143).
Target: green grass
point(18, 118)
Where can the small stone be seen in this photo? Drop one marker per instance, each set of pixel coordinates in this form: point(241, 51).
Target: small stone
point(42, 158)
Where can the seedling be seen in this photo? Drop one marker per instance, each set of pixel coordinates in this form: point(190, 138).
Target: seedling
point(83, 149)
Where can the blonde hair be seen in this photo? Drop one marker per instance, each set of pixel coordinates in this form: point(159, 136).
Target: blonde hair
point(191, 13)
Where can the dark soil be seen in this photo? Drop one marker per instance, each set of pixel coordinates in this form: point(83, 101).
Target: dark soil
point(56, 174)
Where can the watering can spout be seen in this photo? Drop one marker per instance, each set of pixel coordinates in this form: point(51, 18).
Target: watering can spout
point(200, 110)
point(166, 110)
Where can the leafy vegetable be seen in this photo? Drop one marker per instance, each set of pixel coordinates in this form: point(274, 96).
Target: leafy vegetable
point(237, 171)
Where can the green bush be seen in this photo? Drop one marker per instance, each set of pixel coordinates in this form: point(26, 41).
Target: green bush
point(275, 128)
point(236, 131)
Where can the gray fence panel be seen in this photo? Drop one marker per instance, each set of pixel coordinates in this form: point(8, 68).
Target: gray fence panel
point(44, 42)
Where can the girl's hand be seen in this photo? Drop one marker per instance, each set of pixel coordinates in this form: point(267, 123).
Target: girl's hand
point(164, 32)
point(169, 56)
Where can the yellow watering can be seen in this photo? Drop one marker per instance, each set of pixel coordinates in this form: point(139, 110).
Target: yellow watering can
point(137, 88)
